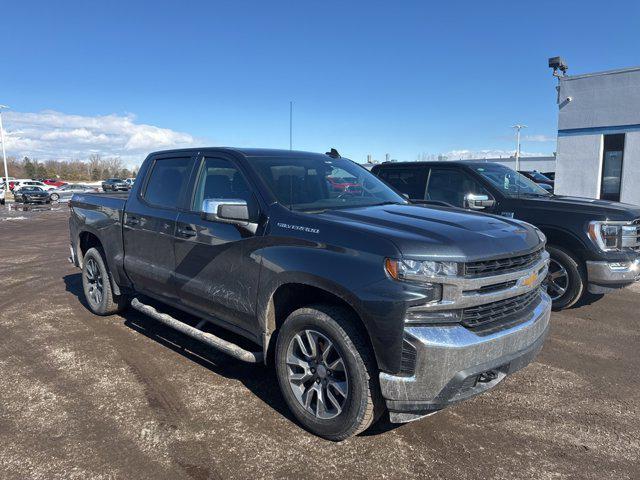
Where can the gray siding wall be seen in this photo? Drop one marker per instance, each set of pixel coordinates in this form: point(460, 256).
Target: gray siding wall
point(631, 169)
point(600, 100)
point(578, 167)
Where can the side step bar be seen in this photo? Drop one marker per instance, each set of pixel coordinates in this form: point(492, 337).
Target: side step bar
point(216, 342)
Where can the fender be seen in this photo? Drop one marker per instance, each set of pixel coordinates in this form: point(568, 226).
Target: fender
point(357, 278)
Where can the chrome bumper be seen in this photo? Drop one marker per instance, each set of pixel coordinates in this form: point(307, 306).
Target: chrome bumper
point(451, 361)
point(605, 274)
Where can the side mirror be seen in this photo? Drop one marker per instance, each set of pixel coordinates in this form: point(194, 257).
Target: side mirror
point(225, 210)
point(475, 201)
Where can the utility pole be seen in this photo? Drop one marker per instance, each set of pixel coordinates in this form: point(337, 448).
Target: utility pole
point(290, 125)
point(4, 154)
point(518, 127)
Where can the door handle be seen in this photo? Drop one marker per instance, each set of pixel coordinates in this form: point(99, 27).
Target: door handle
point(186, 232)
point(132, 220)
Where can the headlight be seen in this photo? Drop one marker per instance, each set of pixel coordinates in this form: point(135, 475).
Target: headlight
point(420, 271)
point(612, 236)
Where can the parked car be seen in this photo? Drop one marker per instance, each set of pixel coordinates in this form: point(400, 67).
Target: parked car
point(54, 182)
point(130, 181)
point(114, 184)
point(18, 184)
point(2, 195)
point(31, 194)
point(594, 244)
point(361, 302)
point(65, 192)
point(539, 178)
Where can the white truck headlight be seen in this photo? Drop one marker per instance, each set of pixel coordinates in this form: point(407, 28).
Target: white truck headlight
point(420, 271)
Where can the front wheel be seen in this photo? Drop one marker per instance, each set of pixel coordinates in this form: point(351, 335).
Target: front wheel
point(566, 279)
point(54, 197)
point(327, 372)
point(96, 284)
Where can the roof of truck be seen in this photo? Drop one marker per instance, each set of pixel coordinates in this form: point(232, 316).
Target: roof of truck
point(247, 152)
point(468, 163)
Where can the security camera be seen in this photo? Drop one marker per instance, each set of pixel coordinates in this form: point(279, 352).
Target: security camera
point(557, 63)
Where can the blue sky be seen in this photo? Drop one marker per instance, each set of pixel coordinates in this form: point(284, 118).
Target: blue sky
point(366, 77)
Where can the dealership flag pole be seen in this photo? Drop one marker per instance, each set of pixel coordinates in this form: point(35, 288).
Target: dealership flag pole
point(4, 153)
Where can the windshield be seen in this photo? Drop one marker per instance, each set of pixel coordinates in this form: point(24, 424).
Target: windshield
point(510, 182)
point(317, 183)
point(539, 177)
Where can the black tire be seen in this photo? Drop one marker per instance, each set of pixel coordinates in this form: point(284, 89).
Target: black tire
point(96, 285)
point(54, 197)
point(363, 404)
point(574, 287)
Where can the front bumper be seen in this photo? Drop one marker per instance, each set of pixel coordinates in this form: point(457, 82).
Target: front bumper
point(453, 363)
point(606, 276)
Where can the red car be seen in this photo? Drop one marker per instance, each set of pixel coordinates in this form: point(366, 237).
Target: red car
point(54, 182)
point(343, 185)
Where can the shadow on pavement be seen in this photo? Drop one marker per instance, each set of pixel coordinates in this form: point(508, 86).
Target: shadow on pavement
point(259, 379)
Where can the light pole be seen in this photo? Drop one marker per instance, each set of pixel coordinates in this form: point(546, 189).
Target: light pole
point(4, 153)
point(518, 127)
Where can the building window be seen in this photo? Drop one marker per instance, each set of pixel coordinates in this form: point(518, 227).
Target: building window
point(612, 157)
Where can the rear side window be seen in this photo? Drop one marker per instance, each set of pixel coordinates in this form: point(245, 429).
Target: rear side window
point(168, 179)
point(410, 181)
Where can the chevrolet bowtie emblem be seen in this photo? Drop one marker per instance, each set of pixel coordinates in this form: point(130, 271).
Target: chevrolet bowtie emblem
point(530, 280)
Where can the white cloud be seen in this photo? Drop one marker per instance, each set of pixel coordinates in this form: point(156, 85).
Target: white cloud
point(539, 138)
point(56, 135)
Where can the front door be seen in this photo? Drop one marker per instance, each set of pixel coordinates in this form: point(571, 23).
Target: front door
point(215, 272)
point(149, 227)
point(451, 185)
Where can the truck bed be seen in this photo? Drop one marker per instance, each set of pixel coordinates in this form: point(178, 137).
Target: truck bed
point(99, 215)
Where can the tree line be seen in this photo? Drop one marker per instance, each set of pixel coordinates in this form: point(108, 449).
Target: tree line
point(93, 169)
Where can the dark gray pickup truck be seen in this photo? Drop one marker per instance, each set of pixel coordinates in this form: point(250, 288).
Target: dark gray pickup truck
point(362, 302)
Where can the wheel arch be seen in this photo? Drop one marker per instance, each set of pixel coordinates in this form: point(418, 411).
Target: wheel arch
point(291, 295)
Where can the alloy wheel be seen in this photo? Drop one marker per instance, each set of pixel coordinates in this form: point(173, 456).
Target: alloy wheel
point(557, 281)
point(317, 374)
point(96, 286)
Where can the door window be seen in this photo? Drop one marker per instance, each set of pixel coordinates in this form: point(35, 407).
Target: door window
point(167, 181)
point(220, 179)
point(451, 186)
point(410, 181)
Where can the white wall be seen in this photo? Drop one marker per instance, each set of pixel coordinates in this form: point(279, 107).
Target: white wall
point(578, 165)
point(631, 169)
point(541, 164)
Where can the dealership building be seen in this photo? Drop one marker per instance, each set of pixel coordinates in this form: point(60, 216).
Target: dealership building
point(598, 152)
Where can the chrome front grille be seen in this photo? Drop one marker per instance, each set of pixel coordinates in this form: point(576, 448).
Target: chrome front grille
point(502, 265)
point(633, 241)
point(501, 310)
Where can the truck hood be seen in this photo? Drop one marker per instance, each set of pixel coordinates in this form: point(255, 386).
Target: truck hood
point(596, 209)
point(440, 233)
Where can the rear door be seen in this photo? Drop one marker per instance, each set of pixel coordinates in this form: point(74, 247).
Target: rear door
point(216, 273)
point(149, 226)
point(409, 180)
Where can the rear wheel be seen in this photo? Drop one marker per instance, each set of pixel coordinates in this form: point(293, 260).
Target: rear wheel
point(327, 372)
point(566, 280)
point(96, 284)
point(54, 197)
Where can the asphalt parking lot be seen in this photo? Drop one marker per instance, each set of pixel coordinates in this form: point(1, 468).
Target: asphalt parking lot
point(123, 397)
